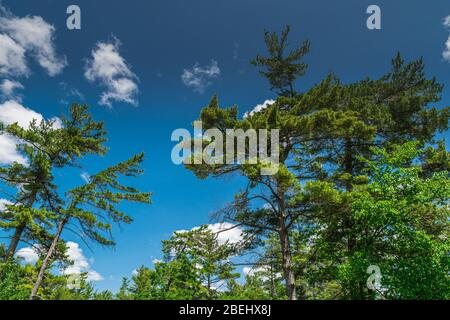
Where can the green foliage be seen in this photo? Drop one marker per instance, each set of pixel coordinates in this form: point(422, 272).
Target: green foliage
point(400, 223)
point(45, 146)
point(206, 253)
point(281, 70)
point(93, 206)
point(15, 283)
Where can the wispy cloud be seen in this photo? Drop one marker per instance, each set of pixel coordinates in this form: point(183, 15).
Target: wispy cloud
point(8, 89)
point(112, 71)
point(259, 108)
point(200, 77)
point(69, 93)
point(12, 58)
point(86, 177)
point(27, 36)
point(235, 51)
point(446, 52)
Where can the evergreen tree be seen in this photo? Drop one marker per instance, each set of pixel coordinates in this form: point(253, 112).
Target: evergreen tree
point(93, 208)
point(210, 257)
point(45, 147)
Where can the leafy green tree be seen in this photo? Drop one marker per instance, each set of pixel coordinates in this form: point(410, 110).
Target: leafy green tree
point(252, 289)
point(15, 281)
point(171, 280)
point(83, 290)
point(401, 225)
point(124, 291)
point(347, 121)
point(210, 258)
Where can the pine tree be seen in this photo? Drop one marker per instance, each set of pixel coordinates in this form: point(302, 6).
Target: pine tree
point(281, 70)
point(208, 255)
point(45, 147)
point(92, 207)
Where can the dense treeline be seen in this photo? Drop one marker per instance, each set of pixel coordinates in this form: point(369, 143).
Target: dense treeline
point(363, 182)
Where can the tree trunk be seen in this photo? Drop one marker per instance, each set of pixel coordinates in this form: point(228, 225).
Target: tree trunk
point(47, 259)
point(19, 230)
point(352, 241)
point(286, 254)
point(289, 275)
point(15, 241)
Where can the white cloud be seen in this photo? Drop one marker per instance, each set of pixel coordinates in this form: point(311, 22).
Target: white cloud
point(259, 108)
point(35, 37)
point(447, 21)
point(86, 177)
point(446, 52)
point(199, 78)
point(112, 71)
point(29, 255)
point(74, 253)
point(8, 87)
point(235, 51)
point(8, 151)
point(80, 263)
point(69, 93)
point(12, 57)
point(3, 204)
point(226, 232)
point(13, 112)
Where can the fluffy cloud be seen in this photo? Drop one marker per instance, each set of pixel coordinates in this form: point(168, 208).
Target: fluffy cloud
point(199, 78)
point(80, 263)
point(446, 52)
point(12, 57)
point(226, 232)
point(447, 21)
point(8, 87)
point(8, 151)
point(29, 255)
point(30, 35)
point(13, 112)
point(3, 204)
point(74, 253)
point(112, 71)
point(259, 108)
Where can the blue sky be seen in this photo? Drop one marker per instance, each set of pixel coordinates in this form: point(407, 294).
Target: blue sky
point(159, 40)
